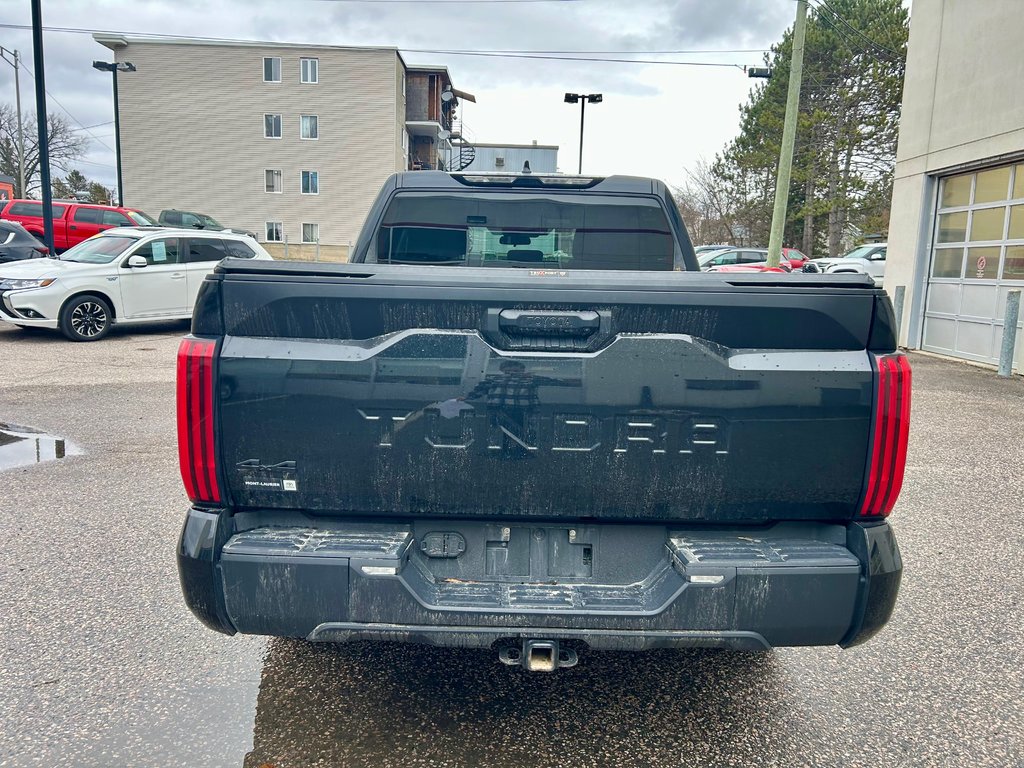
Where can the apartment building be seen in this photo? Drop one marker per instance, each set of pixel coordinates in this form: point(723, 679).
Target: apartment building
point(289, 141)
point(433, 121)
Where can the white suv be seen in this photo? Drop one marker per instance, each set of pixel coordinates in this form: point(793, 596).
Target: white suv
point(123, 275)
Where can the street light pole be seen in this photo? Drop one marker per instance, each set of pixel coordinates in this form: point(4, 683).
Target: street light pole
point(117, 142)
point(15, 62)
point(583, 115)
point(112, 68)
point(583, 98)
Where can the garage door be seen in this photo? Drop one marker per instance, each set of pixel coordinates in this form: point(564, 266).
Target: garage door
point(977, 257)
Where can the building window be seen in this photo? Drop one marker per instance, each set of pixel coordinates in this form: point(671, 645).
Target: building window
point(309, 70)
point(272, 126)
point(310, 183)
point(309, 127)
point(311, 233)
point(403, 83)
point(274, 182)
point(271, 69)
point(275, 232)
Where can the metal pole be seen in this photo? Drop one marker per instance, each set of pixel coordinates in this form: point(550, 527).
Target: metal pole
point(1010, 320)
point(286, 246)
point(317, 257)
point(44, 148)
point(21, 130)
point(583, 113)
point(897, 307)
point(796, 70)
point(117, 142)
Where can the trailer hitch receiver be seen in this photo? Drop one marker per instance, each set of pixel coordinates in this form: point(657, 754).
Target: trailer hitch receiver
point(538, 655)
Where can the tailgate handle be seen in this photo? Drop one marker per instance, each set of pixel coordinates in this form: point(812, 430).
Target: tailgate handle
point(527, 322)
point(547, 330)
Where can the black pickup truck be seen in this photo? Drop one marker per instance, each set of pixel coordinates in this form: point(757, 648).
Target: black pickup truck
point(521, 419)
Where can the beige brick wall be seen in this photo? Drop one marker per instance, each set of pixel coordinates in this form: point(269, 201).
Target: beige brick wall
point(192, 134)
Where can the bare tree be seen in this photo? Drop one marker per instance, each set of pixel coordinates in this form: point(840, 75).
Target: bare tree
point(65, 145)
point(707, 206)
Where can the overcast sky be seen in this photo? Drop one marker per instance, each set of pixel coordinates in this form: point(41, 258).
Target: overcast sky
point(656, 120)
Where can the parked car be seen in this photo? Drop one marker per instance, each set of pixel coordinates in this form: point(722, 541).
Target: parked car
point(738, 257)
point(762, 267)
point(17, 244)
point(864, 259)
point(700, 250)
point(795, 258)
point(73, 222)
point(791, 258)
point(538, 459)
point(124, 275)
point(186, 219)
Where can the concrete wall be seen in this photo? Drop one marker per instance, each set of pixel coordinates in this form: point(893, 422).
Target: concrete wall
point(961, 108)
point(307, 252)
point(192, 133)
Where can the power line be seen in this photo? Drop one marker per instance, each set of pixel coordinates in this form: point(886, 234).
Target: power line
point(823, 5)
point(612, 53)
point(495, 53)
point(571, 58)
point(97, 125)
point(448, 2)
point(68, 112)
point(855, 30)
point(844, 36)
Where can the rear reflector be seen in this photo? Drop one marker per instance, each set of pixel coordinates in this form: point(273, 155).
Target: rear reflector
point(888, 457)
point(195, 420)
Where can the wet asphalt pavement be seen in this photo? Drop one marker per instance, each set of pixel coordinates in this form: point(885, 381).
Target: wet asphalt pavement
point(102, 665)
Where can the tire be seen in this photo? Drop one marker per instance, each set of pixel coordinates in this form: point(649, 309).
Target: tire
point(86, 318)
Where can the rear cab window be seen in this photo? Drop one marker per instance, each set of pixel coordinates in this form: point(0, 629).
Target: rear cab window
point(540, 230)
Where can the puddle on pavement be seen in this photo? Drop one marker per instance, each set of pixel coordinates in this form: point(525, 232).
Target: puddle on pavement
point(22, 446)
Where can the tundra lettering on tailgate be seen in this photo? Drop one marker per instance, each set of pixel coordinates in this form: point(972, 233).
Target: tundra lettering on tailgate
point(484, 432)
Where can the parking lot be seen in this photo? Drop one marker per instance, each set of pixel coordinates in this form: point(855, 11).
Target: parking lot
point(101, 663)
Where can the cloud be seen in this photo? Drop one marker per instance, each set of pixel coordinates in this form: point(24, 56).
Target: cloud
point(740, 23)
point(648, 118)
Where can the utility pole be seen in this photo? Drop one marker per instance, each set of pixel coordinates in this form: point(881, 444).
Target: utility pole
point(41, 124)
point(15, 61)
point(796, 71)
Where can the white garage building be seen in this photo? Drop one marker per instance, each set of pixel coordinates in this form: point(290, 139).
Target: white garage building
point(956, 236)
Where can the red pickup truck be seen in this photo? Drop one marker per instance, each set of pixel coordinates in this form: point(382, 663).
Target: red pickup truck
point(72, 222)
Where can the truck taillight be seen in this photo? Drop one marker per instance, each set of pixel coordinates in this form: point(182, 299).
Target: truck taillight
point(889, 443)
point(196, 454)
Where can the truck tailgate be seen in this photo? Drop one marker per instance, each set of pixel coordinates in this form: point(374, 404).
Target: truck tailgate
point(405, 391)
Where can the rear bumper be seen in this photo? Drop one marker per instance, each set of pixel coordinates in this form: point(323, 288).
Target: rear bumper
point(746, 589)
